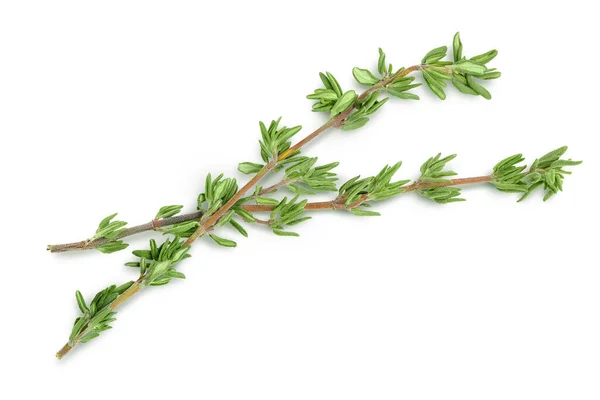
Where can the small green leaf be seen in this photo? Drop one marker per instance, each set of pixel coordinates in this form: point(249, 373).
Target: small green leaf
point(112, 247)
point(160, 281)
point(171, 273)
point(335, 86)
point(239, 228)
point(463, 88)
point(181, 228)
point(485, 57)
point(266, 201)
point(89, 336)
point(168, 211)
point(223, 242)
point(469, 67)
point(457, 47)
point(249, 168)
point(281, 232)
point(564, 163)
point(364, 76)
point(478, 88)
point(403, 95)
point(143, 254)
point(105, 221)
point(364, 213)
point(81, 302)
point(343, 103)
point(490, 75)
point(247, 216)
point(381, 68)
point(435, 55)
point(325, 81)
point(434, 85)
point(359, 123)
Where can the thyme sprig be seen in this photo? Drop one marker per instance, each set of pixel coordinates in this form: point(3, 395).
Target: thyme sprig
point(224, 203)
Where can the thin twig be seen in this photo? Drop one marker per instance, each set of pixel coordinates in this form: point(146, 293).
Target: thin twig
point(335, 204)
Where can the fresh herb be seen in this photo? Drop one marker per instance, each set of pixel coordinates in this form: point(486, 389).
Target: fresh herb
point(224, 203)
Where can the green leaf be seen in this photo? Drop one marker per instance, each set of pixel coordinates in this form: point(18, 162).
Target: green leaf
point(325, 81)
point(249, 168)
point(266, 201)
point(381, 68)
point(105, 221)
point(364, 76)
point(463, 88)
point(485, 57)
point(359, 123)
point(81, 302)
point(490, 75)
point(403, 95)
point(478, 88)
point(457, 47)
point(434, 85)
point(335, 86)
point(281, 232)
point(143, 266)
point(222, 241)
point(89, 336)
point(168, 211)
point(111, 247)
point(171, 273)
point(239, 228)
point(364, 213)
point(343, 103)
point(247, 216)
point(435, 55)
point(181, 228)
point(469, 67)
point(160, 281)
point(143, 254)
point(564, 163)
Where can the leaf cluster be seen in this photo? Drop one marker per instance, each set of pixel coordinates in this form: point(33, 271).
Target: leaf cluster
point(364, 107)
point(366, 77)
point(546, 172)
point(109, 229)
point(397, 87)
point(275, 141)
point(464, 73)
point(331, 98)
point(469, 72)
point(96, 317)
point(433, 171)
point(303, 177)
point(287, 213)
point(356, 192)
point(157, 263)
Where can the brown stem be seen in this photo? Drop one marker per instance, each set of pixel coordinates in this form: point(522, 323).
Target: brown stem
point(451, 182)
point(152, 225)
point(276, 186)
point(314, 206)
point(64, 350)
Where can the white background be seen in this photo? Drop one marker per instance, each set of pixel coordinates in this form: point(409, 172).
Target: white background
point(126, 106)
